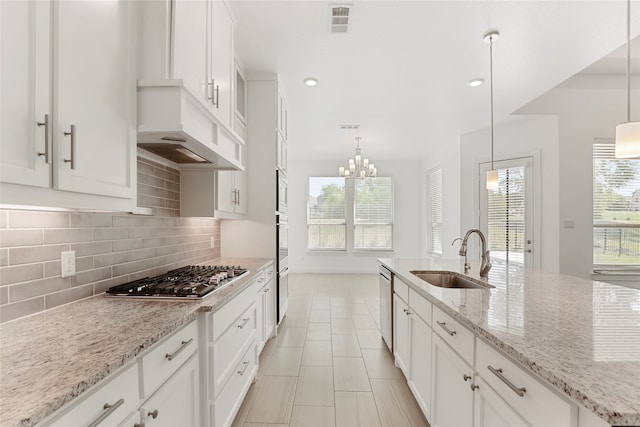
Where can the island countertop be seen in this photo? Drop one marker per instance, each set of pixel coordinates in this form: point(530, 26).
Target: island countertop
point(581, 337)
point(49, 359)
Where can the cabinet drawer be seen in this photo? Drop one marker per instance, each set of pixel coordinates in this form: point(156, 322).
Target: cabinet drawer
point(223, 318)
point(124, 387)
point(227, 349)
point(420, 306)
point(536, 403)
point(401, 288)
point(165, 358)
point(457, 336)
point(228, 402)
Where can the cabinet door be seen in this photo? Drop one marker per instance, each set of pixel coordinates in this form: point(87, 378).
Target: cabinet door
point(260, 317)
point(281, 153)
point(269, 307)
point(221, 61)
point(451, 396)
point(189, 33)
point(401, 334)
point(420, 379)
point(94, 92)
point(240, 185)
point(492, 411)
point(25, 151)
point(177, 402)
point(226, 197)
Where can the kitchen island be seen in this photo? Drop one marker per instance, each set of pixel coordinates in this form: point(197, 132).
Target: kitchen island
point(50, 359)
point(579, 337)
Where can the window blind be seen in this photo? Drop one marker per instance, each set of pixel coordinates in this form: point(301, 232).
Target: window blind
point(616, 207)
point(434, 211)
point(326, 213)
point(506, 215)
point(373, 213)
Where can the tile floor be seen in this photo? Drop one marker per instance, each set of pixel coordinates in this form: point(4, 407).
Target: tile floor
point(328, 365)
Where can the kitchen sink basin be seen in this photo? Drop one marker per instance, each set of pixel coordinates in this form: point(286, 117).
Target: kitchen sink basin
point(448, 280)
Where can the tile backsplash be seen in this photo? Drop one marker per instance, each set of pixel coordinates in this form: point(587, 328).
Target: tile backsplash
point(110, 248)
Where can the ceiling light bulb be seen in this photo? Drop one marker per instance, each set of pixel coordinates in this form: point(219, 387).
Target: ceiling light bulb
point(310, 81)
point(475, 82)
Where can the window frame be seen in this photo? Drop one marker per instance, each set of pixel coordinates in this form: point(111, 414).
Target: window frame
point(429, 213)
point(345, 216)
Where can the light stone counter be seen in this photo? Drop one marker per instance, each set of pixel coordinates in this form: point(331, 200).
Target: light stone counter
point(580, 336)
point(49, 359)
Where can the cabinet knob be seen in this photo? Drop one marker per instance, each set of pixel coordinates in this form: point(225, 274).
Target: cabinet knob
point(153, 414)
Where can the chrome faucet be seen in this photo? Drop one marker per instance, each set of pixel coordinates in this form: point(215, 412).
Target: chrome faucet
point(485, 266)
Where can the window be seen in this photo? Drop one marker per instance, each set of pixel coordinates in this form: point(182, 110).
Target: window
point(507, 211)
point(616, 208)
point(434, 211)
point(336, 205)
point(326, 213)
point(373, 213)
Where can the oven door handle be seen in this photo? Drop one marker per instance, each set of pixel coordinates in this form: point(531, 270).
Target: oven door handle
point(284, 273)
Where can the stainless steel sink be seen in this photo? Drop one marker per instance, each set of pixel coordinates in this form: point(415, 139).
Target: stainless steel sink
point(448, 280)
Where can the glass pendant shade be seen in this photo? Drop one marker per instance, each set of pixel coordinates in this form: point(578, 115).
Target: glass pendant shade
point(628, 140)
point(492, 179)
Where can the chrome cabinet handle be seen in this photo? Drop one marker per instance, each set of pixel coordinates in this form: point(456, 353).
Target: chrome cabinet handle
point(142, 424)
point(46, 138)
point(233, 197)
point(466, 377)
point(215, 89)
point(474, 387)
point(244, 323)
point(183, 345)
point(244, 369)
point(108, 409)
point(72, 133)
point(406, 311)
point(153, 414)
point(266, 290)
point(520, 391)
point(443, 325)
point(238, 198)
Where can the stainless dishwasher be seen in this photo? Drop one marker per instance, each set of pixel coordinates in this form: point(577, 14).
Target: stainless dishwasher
point(386, 306)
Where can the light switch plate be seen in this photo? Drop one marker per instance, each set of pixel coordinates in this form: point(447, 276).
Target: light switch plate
point(68, 263)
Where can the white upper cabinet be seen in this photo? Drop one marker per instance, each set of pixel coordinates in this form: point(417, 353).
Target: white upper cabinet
point(94, 97)
point(221, 66)
point(68, 100)
point(189, 60)
point(25, 149)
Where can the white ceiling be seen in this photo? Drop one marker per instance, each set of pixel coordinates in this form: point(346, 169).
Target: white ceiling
point(401, 71)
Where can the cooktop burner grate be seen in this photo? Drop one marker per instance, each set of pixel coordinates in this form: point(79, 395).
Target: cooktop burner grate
point(192, 281)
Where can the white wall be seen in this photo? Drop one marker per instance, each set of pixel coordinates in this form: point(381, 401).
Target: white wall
point(587, 108)
point(535, 136)
point(407, 213)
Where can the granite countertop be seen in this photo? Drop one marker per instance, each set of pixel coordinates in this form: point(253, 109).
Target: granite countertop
point(51, 358)
point(580, 336)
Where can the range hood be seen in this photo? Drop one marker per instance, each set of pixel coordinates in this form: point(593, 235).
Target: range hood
point(176, 125)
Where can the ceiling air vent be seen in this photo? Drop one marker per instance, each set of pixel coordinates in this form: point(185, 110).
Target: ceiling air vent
point(339, 18)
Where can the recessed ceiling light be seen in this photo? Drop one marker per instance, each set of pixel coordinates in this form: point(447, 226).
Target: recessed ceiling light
point(475, 82)
point(310, 81)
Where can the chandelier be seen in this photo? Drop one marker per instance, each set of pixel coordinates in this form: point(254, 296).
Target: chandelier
point(358, 167)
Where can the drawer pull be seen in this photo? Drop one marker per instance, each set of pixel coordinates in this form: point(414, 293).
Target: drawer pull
point(474, 387)
point(153, 414)
point(46, 138)
point(443, 325)
point(466, 377)
point(498, 373)
point(244, 369)
point(108, 409)
point(72, 159)
point(244, 323)
point(183, 345)
point(266, 290)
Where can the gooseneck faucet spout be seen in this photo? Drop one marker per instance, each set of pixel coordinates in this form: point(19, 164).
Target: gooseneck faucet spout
point(485, 266)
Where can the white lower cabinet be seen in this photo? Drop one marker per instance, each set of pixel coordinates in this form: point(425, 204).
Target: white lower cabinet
point(452, 387)
point(401, 337)
point(420, 362)
point(107, 405)
point(490, 410)
point(265, 307)
point(177, 402)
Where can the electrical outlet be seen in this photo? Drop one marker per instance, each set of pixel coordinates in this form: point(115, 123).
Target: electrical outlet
point(68, 263)
point(213, 243)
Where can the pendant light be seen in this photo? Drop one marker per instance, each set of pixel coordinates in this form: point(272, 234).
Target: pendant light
point(492, 175)
point(628, 134)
